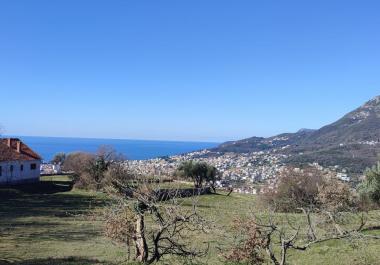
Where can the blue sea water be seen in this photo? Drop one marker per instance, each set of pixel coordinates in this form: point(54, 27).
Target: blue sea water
point(47, 147)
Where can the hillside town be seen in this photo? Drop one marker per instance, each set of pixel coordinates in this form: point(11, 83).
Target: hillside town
point(244, 172)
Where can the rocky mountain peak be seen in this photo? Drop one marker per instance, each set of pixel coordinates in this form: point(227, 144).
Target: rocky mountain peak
point(375, 102)
point(352, 141)
point(303, 130)
point(371, 107)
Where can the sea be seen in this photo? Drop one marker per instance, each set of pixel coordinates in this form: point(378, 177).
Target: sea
point(47, 147)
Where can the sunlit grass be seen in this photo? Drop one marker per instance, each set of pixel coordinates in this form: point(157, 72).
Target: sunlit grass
point(66, 228)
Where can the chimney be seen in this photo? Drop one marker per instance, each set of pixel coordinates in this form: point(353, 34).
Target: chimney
point(9, 142)
point(18, 147)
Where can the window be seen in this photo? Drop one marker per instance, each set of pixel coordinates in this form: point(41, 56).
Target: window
point(22, 168)
point(33, 166)
point(11, 168)
point(1, 171)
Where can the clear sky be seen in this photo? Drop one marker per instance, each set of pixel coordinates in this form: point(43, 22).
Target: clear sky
point(208, 70)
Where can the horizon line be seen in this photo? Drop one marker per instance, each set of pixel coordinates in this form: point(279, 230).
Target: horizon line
point(125, 139)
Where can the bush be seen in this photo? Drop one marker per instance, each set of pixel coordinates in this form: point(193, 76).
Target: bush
point(248, 246)
point(369, 189)
point(294, 189)
point(90, 169)
point(78, 163)
point(117, 175)
point(310, 189)
point(337, 196)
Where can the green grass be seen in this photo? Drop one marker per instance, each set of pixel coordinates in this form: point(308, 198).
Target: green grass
point(47, 228)
point(172, 185)
point(48, 224)
point(56, 178)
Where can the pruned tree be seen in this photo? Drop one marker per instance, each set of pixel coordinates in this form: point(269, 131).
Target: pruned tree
point(323, 211)
point(271, 237)
point(120, 225)
point(170, 228)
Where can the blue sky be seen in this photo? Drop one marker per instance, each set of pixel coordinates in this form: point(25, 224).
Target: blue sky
point(184, 70)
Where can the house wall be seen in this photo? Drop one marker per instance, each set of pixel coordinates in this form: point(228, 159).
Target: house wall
point(18, 175)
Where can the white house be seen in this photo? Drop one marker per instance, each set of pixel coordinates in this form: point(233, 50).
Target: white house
point(47, 169)
point(18, 163)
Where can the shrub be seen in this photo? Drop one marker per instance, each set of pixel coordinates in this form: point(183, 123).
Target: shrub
point(336, 196)
point(78, 163)
point(294, 189)
point(90, 169)
point(248, 247)
point(310, 189)
point(369, 189)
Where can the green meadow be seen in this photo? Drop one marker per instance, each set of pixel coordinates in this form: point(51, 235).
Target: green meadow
point(50, 223)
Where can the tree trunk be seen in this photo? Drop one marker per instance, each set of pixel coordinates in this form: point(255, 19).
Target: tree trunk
point(140, 241)
point(311, 232)
point(156, 254)
point(336, 225)
point(283, 252)
point(198, 182)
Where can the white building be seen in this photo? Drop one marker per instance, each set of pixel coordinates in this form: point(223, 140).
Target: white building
point(18, 163)
point(343, 176)
point(50, 169)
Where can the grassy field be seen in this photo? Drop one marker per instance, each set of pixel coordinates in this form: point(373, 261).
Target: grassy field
point(56, 178)
point(51, 224)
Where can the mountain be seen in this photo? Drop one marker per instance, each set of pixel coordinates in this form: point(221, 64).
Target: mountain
point(256, 144)
point(362, 124)
point(352, 142)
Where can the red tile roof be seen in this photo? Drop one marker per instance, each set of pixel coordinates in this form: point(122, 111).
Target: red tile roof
point(9, 152)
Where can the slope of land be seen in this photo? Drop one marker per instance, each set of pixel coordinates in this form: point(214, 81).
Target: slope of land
point(66, 228)
point(352, 142)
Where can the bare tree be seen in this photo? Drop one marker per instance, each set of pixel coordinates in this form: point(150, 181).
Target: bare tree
point(248, 243)
point(78, 164)
point(171, 225)
point(265, 236)
point(294, 189)
point(327, 210)
point(90, 169)
point(103, 159)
